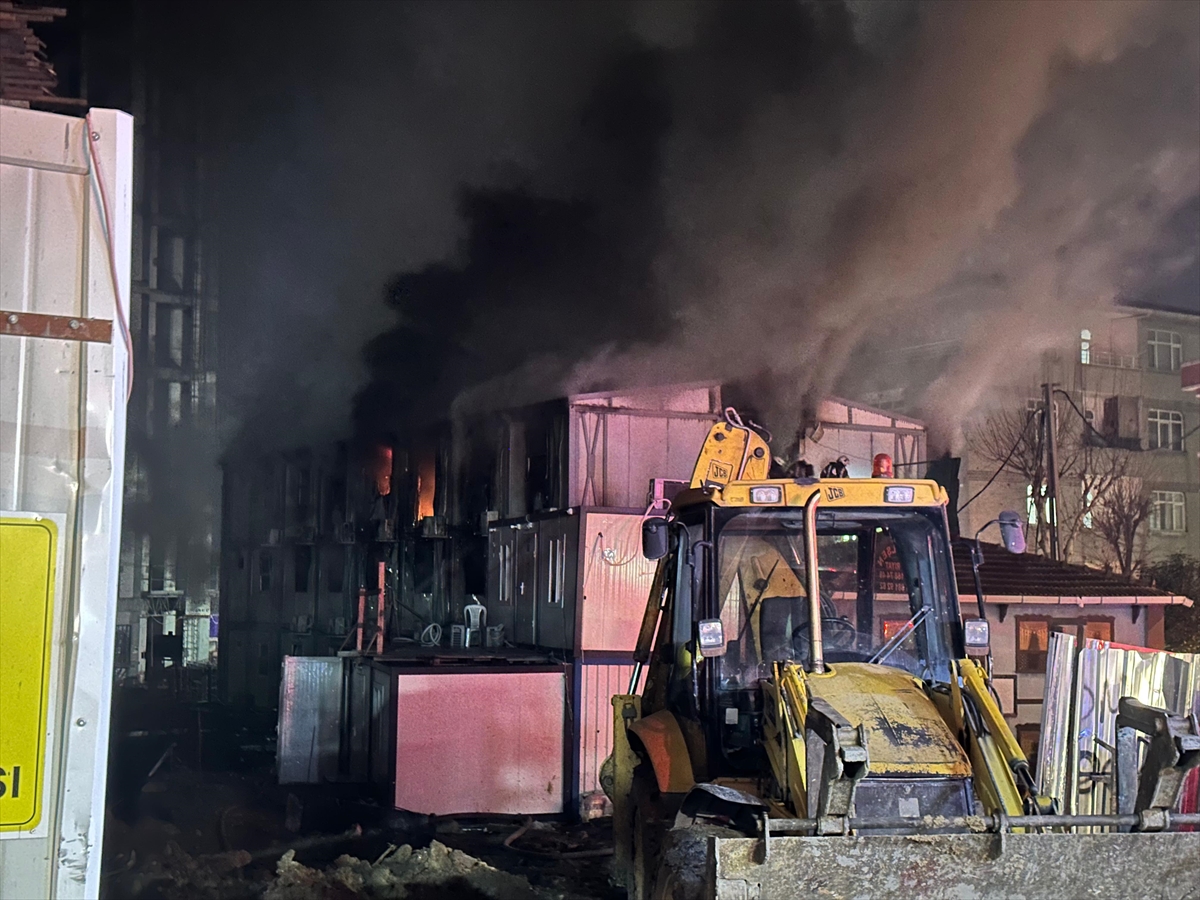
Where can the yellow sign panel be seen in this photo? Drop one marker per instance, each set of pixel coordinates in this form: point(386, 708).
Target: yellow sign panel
point(28, 551)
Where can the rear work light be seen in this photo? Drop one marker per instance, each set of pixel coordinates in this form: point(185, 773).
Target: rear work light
point(898, 493)
point(771, 493)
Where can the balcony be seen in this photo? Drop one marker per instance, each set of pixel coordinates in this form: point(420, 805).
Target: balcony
point(1110, 359)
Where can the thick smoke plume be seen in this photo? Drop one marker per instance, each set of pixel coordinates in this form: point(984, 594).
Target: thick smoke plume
point(590, 195)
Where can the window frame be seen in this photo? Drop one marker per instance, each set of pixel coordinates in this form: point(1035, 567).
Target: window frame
point(1176, 501)
point(1159, 419)
point(1160, 340)
point(1021, 664)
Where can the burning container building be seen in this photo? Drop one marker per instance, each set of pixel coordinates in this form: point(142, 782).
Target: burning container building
point(376, 551)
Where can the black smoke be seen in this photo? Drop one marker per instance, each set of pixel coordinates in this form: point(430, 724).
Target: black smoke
point(501, 202)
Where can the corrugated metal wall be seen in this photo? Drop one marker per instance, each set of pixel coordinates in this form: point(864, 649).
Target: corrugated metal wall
point(1097, 677)
point(310, 711)
point(615, 452)
point(596, 682)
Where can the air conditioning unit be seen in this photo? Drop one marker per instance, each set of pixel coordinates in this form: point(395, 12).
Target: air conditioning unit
point(385, 530)
point(274, 537)
point(486, 518)
point(344, 533)
point(433, 527)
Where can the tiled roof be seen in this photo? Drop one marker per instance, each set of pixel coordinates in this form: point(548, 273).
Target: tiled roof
point(1028, 578)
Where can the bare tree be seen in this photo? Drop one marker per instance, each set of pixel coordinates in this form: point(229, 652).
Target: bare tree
point(1118, 522)
point(1088, 470)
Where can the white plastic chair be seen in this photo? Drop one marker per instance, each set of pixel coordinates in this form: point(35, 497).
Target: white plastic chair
point(476, 618)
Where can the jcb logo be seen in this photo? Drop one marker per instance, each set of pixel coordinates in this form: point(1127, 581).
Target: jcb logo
point(834, 493)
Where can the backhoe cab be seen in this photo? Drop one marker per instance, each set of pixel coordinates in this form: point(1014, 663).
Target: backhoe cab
point(808, 675)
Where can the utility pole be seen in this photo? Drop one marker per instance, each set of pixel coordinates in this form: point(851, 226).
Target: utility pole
point(1049, 422)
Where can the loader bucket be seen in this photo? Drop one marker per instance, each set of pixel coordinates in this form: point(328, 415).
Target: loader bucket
point(1020, 866)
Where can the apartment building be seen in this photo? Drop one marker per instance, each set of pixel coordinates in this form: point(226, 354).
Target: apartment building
point(1123, 377)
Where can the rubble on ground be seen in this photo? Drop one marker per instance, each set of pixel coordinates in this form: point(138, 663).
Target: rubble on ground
point(401, 873)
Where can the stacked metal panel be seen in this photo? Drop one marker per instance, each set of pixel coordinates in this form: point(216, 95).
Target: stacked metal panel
point(1052, 768)
point(310, 712)
point(1083, 691)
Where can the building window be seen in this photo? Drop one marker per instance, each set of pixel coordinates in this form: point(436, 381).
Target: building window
point(1167, 511)
point(1165, 428)
point(1164, 350)
point(1033, 637)
point(1030, 737)
point(1085, 346)
point(335, 570)
point(303, 559)
point(264, 570)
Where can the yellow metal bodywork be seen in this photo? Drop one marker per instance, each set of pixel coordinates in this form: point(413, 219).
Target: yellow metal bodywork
point(995, 752)
point(667, 748)
point(911, 730)
point(905, 732)
point(730, 453)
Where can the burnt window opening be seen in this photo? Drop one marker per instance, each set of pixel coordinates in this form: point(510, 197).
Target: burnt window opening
point(426, 485)
point(264, 659)
point(335, 570)
point(265, 563)
point(303, 559)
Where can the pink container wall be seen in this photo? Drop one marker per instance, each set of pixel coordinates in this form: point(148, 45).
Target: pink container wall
point(598, 682)
point(480, 742)
point(615, 581)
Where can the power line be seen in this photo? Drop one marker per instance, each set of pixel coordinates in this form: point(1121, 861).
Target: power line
point(1016, 444)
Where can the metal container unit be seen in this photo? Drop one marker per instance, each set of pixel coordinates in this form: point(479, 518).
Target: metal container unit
point(310, 711)
point(569, 581)
point(481, 740)
point(618, 442)
point(65, 228)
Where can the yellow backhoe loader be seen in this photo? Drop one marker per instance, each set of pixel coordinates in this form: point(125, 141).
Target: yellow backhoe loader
point(817, 718)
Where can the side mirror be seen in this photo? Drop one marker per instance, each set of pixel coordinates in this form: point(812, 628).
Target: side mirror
point(977, 637)
point(710, 638)
point(1012, 532)
point(654, 538)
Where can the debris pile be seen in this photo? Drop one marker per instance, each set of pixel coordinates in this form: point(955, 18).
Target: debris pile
point(401, 873)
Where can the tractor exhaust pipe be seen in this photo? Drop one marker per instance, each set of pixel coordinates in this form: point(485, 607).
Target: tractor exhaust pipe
point(813, 584)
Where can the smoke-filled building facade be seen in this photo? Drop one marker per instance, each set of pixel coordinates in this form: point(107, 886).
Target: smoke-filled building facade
point(124, 55)
point(504, 508)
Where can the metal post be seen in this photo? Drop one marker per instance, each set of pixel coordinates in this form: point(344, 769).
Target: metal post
point(1050, 422)
point(813, 582)
point(362, 616)
point(379, 607)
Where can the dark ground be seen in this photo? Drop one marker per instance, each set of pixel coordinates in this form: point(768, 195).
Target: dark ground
point(211, 822)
